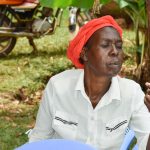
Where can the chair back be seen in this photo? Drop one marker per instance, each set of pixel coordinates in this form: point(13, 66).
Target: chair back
point(55, 144)
point(129, 141)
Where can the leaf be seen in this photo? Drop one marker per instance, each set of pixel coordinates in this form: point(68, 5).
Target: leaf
point(66, 3)
point(105, 1)
point(55, 3)
point(121, 3)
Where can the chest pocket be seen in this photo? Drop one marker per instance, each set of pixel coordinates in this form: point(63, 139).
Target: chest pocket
point(65, 125)
point(116, 126)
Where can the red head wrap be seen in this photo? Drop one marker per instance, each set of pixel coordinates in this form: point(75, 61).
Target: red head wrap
point(85, 32)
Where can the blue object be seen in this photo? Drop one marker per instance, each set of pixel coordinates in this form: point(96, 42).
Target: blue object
point(55, 144)
point(129, 137)
point(135, 147)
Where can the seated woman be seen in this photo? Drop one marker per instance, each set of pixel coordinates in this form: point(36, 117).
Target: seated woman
point(93, 104)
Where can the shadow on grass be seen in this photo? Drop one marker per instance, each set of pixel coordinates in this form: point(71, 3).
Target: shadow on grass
point(60, 52)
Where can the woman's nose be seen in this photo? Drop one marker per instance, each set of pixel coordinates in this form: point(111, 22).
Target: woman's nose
point(114, 50)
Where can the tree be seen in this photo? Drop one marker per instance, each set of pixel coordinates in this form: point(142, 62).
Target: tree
point(144, 68)
point(137, 11)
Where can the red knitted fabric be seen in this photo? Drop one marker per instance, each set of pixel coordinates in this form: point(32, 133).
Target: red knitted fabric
point(85, 32)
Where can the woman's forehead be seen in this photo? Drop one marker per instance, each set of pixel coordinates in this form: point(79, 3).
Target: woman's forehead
point(106, 33)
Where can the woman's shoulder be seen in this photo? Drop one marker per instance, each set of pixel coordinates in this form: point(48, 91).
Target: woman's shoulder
point(66, 75)
point(128, 85)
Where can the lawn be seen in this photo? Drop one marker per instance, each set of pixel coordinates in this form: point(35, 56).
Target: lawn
point(23, 76)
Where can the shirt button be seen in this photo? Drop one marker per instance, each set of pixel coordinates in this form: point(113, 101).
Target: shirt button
point(92, 118)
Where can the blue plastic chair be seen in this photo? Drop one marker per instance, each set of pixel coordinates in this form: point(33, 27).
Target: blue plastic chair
point(55, 144)
point(129, 137)
point(62, 144)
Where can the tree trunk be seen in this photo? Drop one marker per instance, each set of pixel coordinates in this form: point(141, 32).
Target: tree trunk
point(137, 40)
point(145, 66)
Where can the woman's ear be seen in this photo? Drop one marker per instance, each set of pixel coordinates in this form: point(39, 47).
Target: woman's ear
point(83, 55)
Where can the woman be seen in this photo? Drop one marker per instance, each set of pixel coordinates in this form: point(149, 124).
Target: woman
point(92, 104)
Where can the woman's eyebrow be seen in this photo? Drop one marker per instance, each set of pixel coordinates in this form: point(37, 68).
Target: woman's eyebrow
point(110, 40)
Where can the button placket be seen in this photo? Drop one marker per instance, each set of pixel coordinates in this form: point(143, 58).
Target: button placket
point(92, 127)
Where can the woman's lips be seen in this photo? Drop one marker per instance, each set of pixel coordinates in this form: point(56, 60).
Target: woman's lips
point(114, 64)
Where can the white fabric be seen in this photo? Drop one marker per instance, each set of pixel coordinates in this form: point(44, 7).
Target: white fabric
point(66, 112)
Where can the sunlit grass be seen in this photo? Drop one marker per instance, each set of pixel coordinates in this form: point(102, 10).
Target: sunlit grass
point(28, 69)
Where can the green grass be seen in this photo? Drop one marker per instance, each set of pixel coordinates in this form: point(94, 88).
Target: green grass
point(30, 69)
point(23, 76)
point(15, 120)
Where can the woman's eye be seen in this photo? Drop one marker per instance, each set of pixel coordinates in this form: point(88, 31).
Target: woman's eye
point(119, 46)
point(109, 45)
point(104, 45)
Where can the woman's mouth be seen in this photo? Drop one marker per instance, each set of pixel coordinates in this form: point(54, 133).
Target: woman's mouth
point(114, 64)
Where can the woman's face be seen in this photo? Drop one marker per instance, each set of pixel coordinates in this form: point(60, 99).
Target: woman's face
point(104, 52)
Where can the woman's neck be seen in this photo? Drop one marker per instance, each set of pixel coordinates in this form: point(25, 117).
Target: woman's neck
point(95, 86)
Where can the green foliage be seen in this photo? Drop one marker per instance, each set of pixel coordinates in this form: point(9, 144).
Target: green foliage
point(65, 3)
point(135, 9)
point(121, 3)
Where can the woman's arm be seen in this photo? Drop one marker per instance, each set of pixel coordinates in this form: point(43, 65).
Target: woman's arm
point(148, 144)
point(147, 102)
point(147, 96)
point(43, 127)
